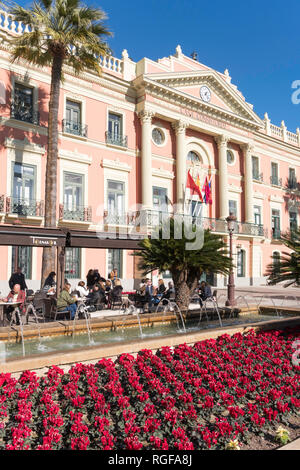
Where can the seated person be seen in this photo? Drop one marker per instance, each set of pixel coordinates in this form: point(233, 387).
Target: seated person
point(107, 285)
point(168, 292)
point(82, 290)
point(66, 302)
point(96, 297)
point(161, 288)
point(15, 295)
point(116, 292)
point(151, 294)
point(205, 292)
point(50, 284)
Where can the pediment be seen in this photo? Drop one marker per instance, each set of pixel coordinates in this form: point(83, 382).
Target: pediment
point(225, 98)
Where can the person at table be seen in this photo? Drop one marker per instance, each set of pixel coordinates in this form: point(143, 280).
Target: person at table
point(96, 298)
point(204, 292)
point(18, 278)
point(97, 277)
point(116, 292)
point(82, 290)
point(161, 287)
point(90, 281)
point(108, 285)
point(15, 295)
point(66, 302)
point(170, 291)
point(50, 283)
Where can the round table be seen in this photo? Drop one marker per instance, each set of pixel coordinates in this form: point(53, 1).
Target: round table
point(6, 304)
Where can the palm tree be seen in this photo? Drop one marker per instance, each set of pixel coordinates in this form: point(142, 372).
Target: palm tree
point(186, 266)
point(286, 268)
point(62, 33)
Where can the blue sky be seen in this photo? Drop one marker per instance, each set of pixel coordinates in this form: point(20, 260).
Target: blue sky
point(258, 41)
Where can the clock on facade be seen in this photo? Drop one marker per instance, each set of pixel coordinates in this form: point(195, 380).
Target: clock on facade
point(205, 93)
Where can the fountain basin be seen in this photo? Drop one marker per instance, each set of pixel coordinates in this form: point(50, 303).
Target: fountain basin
point(112, 349)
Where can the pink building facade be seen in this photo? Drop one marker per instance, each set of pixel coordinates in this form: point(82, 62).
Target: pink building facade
point(127, 140)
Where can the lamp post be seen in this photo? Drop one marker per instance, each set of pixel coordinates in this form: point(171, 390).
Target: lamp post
point(230, 302)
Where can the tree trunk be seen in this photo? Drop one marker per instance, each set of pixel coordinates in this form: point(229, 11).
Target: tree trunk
point(49, 254)
point(182, 290)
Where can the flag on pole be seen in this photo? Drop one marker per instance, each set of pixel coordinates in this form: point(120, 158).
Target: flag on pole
point(198, 184)
point(193, 186)
point(207, 191)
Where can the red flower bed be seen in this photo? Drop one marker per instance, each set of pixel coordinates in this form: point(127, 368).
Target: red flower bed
point(189, 397)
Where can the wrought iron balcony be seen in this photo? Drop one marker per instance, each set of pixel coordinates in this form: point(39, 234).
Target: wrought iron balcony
point(74, 128)
point(24, 113)
point(76, 213)
point(24, 207)
point(258, 176)
point(275, 180)
point(116, 219)
point(147, 219)
point(292, 183)
point(116, 139)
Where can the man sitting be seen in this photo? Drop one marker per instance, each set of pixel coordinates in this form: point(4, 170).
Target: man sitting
point(66, 302)
point(15, 295)
point(205, 292)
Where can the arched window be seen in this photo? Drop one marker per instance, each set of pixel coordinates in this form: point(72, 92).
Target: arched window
point(193, 157)
point(241, 261)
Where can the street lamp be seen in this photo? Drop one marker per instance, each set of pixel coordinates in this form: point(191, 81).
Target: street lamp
point(230, 302)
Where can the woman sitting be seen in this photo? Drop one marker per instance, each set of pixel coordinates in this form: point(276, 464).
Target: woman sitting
point(115, 294)
point(82, 290)
point(50, 283)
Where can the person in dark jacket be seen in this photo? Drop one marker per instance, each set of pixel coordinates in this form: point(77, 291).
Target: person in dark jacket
point(205, 292)
point(90, 281)
point(50, 283)
point(96, 297)
point(18, 278)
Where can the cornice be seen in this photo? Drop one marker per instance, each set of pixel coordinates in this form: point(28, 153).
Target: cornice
point(75, 156)
point(115, 165)
point(24, 145)
point(162, 173)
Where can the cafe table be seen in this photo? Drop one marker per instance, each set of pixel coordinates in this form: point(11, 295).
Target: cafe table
point(4, 304)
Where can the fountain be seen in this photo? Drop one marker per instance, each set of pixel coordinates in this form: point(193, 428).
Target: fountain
point(31, 308)
point(171, 306)
point(132, 310)
point(16, 313)
point(215, 308)
point(82, 309)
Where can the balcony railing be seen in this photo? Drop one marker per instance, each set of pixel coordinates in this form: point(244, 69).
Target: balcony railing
point(258, 176)
point(116, 219)
point(274, 180)
point(116, 139)
point(147, 219)
point(24, 207)
point(24, 113)
point(74, 128)
point(76, 213)
point(292, 183)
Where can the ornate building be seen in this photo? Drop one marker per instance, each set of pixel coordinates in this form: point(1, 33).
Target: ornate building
point(128, 138)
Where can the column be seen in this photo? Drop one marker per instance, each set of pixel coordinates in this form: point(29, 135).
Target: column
point(249, 215)
point(223, 179)
point(179, 128)
point(146, 161)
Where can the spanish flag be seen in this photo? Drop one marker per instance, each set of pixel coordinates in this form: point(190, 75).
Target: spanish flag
point(192, 185)
point(199, 186)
